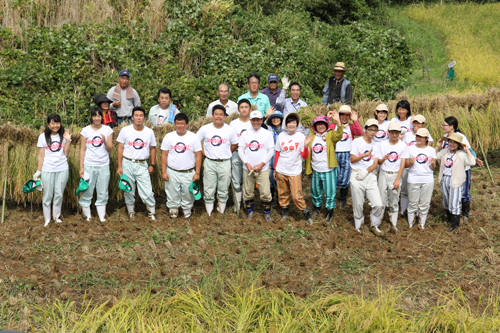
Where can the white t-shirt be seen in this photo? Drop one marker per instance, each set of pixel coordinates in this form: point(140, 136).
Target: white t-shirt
point(405, 125)
point(319, 155)
point(345, 143)
point(359, 147)
point(231, 107)
point(136, 143)
point(161, 115)
point(448, 164)
point(411, 139)
point(217, 141)
point(240, 127)
point(464, 140)
point(290, 147)
point(256, 145)
point(181, 150)
point(96, 153)
point(55, 159)
point(420, 172)
point(382, 133)
point(396, 153)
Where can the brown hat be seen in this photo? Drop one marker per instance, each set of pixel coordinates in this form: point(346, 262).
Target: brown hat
point(339, 66)
point(345, 109)
point(455, 137)
point(419, 118)
point(423, 132)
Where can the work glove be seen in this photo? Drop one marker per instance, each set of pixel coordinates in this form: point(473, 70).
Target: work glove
point(361, 175)
point(286, 82)
point(37, 175)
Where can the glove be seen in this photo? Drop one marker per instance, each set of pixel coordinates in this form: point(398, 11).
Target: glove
point(286, 82)
point(362, 174)
point(37, 175)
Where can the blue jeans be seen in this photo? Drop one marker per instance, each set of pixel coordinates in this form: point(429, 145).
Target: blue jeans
point(343, 169)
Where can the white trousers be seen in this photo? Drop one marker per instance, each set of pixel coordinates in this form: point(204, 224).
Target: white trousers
point(384, 181)
point(54, 184)
point(366, 187)
point(139, 178)
point(419, 197)
point(177, 189)
point(216, 176)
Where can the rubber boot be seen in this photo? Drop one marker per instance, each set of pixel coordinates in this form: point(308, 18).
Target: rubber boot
point(151, 213)
point(187, 213)
point(86, 213)
point(329, 215)
point(421, 223)
point(315, 211)
point(411, 218)
point(394, 220)
point(131, 212)
point(448, 217)
point(274, 196)
point(46, 214)
point(101, 212)
point(465, 210)
point(343, 197)
point(221, 207)
point(308, 216)
point(358, 223)
point(285, 212)
point(56, 212)
point(173, 212)
point(249, 205)
point(237, 204)
point(455, 223)
point(404, 205)
point(267, 210)
point(375, 222)
point(209, 207)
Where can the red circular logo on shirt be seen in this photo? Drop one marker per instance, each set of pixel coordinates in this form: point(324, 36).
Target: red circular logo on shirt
point(180, 147)
point(55, 146)
point(96, 141)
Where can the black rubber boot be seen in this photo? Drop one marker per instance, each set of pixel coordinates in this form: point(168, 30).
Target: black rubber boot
point(465, 210)
point(343, 197)
point(285, 212)
point(308, 216)
point(448, 217)
point(455, 222)
point(329, 215)
point(274, 196)
point(315, 211)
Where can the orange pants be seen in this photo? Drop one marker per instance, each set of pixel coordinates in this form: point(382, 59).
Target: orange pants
point(290, 185)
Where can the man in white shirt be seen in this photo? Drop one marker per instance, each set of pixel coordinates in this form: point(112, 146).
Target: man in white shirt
point(136, 143)
point(164, 112)
point(223, 92)
point(180, 165)
point(219, 142)
point(239, 125)
point(256, 148)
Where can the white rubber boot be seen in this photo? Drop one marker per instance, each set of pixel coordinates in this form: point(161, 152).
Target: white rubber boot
point(151, 213)
point(221, 207)
point(101, 212)
point(187, 213)
point(238, 200)
point(404, 205)
point(423, 219)
point(86, 213)
point(56, 212)
point(358, 223)
point(375, 222)
point(131, 212)
point(411, 218)
point(46, 214)
point(209, 207)
point(174, 212)
point(394, 220)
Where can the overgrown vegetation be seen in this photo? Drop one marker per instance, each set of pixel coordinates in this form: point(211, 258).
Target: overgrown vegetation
point(51, 64)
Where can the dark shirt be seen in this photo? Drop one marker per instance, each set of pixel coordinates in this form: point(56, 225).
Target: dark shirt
point(272, 97)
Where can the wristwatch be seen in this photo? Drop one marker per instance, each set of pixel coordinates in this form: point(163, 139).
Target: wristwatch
point(153, 165)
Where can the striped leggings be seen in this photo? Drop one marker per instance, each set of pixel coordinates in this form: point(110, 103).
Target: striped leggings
point(452, 197)
point(290, 186)
point(327, 182)
point(343, 169)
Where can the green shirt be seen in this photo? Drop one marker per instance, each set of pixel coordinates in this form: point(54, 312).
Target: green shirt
point(262, 102)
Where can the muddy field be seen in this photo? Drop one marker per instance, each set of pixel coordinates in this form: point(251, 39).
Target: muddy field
point(106, 260)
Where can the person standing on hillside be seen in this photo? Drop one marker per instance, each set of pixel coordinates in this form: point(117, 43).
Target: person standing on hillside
point(256, 97)
point(137, 143)
point(337, 89)
point(124, 97)
point(219, 142)
point(164, 112)
point(272, 91)
point(223, 92)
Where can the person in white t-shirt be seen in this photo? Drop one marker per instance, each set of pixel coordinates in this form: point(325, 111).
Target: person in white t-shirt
point(96, 141)
point(180, 166)
point(381, 112)
point(219, 142)
point(291, 148)
point(404, 117)
point(256, 148)
point(240, 125)
point(392, 157)
point(53, 147)
point(137, 143)
point(223, 92)
point(363, 181)
point(420, 164)
point(410, 139)
point(164, 112)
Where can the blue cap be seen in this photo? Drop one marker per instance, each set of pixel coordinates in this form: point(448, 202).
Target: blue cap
point(124, 72)
point(272, 77)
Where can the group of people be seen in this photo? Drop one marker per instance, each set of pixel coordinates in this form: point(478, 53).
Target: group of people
point(390, 163)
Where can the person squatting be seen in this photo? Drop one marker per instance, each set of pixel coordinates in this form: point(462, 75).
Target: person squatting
point(389, 163)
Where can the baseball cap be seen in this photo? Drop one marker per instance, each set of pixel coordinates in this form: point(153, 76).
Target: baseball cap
point(371, 122)
point(124, 72)
point(272, 78)
point(394, 126)
point(195, 189)
point(419, 118)
point(382, 107)
point(124, 184)
point(31, 185)
point(345, 109)
point(423, 132)
point(255, 114)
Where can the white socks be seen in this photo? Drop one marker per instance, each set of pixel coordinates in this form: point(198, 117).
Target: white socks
point(46, 214)
point(86, 213)
point(209, 207)
point(56, 212)
point(101, 211)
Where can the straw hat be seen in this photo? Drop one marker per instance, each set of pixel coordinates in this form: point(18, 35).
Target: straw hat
point(455, 137)
point(339, 66)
